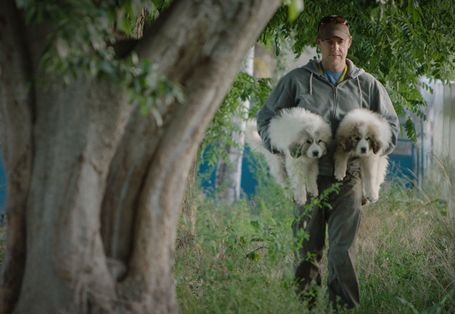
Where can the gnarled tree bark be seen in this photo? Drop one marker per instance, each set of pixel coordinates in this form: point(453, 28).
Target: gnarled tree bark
point(98, 210)
point(16, 98)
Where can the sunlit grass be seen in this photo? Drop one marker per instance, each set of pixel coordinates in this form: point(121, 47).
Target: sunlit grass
point(241, 260)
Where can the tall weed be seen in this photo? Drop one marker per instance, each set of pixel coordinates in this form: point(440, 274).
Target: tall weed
point(242, 261)
point(406, 256)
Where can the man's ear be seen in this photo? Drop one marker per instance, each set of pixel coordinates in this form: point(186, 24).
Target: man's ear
point(350, 42)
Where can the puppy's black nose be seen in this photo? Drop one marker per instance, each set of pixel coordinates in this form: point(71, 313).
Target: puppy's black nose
point(315, 153)
point(363, 150)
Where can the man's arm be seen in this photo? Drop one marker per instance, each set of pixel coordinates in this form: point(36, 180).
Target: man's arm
point(281, 97)
point(382, 104)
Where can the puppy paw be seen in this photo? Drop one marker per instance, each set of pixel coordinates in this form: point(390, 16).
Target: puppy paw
point(300, 198)
point(372, 200)
point(313, 190)
point(340, 174)
point(372, 197)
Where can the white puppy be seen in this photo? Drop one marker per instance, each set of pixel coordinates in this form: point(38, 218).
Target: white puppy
point(302, 137)
point(366, 135)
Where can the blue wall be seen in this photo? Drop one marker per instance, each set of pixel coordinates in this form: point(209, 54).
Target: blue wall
point(403, 163)
point(248, 181)
point(402, 166)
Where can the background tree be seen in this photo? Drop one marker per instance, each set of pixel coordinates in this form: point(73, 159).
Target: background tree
point(229, 170)
point(96, 186)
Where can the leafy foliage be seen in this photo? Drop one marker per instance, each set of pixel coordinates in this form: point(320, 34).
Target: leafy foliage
point(294, 8)
point(219, 133)
point(82, 44)
point(396, 41)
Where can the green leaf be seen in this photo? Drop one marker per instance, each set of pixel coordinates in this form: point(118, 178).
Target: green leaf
point(295, 7)
point(410, 130)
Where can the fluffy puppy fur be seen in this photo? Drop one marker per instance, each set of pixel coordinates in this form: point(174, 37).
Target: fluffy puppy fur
point(302, 137)
point(275, 162)
point(366, 135)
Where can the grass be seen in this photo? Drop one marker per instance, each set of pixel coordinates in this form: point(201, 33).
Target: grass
point(406, 256)
point(241, 259)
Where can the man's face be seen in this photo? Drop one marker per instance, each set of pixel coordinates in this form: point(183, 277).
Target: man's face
point(334, 50)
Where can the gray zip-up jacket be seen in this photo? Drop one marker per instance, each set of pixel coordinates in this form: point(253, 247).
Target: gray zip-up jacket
point(308, 87)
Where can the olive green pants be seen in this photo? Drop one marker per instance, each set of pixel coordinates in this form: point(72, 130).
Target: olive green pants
point(342, 221)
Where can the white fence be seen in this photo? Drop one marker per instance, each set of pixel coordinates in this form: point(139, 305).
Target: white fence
point(439, 139)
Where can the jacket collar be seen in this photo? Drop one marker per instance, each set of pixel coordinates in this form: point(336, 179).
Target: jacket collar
point(314, 66)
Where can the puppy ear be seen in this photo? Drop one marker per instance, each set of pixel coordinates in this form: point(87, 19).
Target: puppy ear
point(345, 143)
point(376, 145)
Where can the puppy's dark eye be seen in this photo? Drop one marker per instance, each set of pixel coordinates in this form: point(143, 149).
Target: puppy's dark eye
point(357, 138)
point(367, 138)
point(320, 141)
point(309, 141)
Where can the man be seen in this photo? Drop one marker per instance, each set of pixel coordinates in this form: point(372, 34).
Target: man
point(330, 87)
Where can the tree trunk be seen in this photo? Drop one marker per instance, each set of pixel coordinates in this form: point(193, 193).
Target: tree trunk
point(229, 171)
point(16, 144)
point(92, 224)
point(187, 227)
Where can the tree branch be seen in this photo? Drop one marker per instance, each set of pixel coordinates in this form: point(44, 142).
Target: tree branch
point(200, 47)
